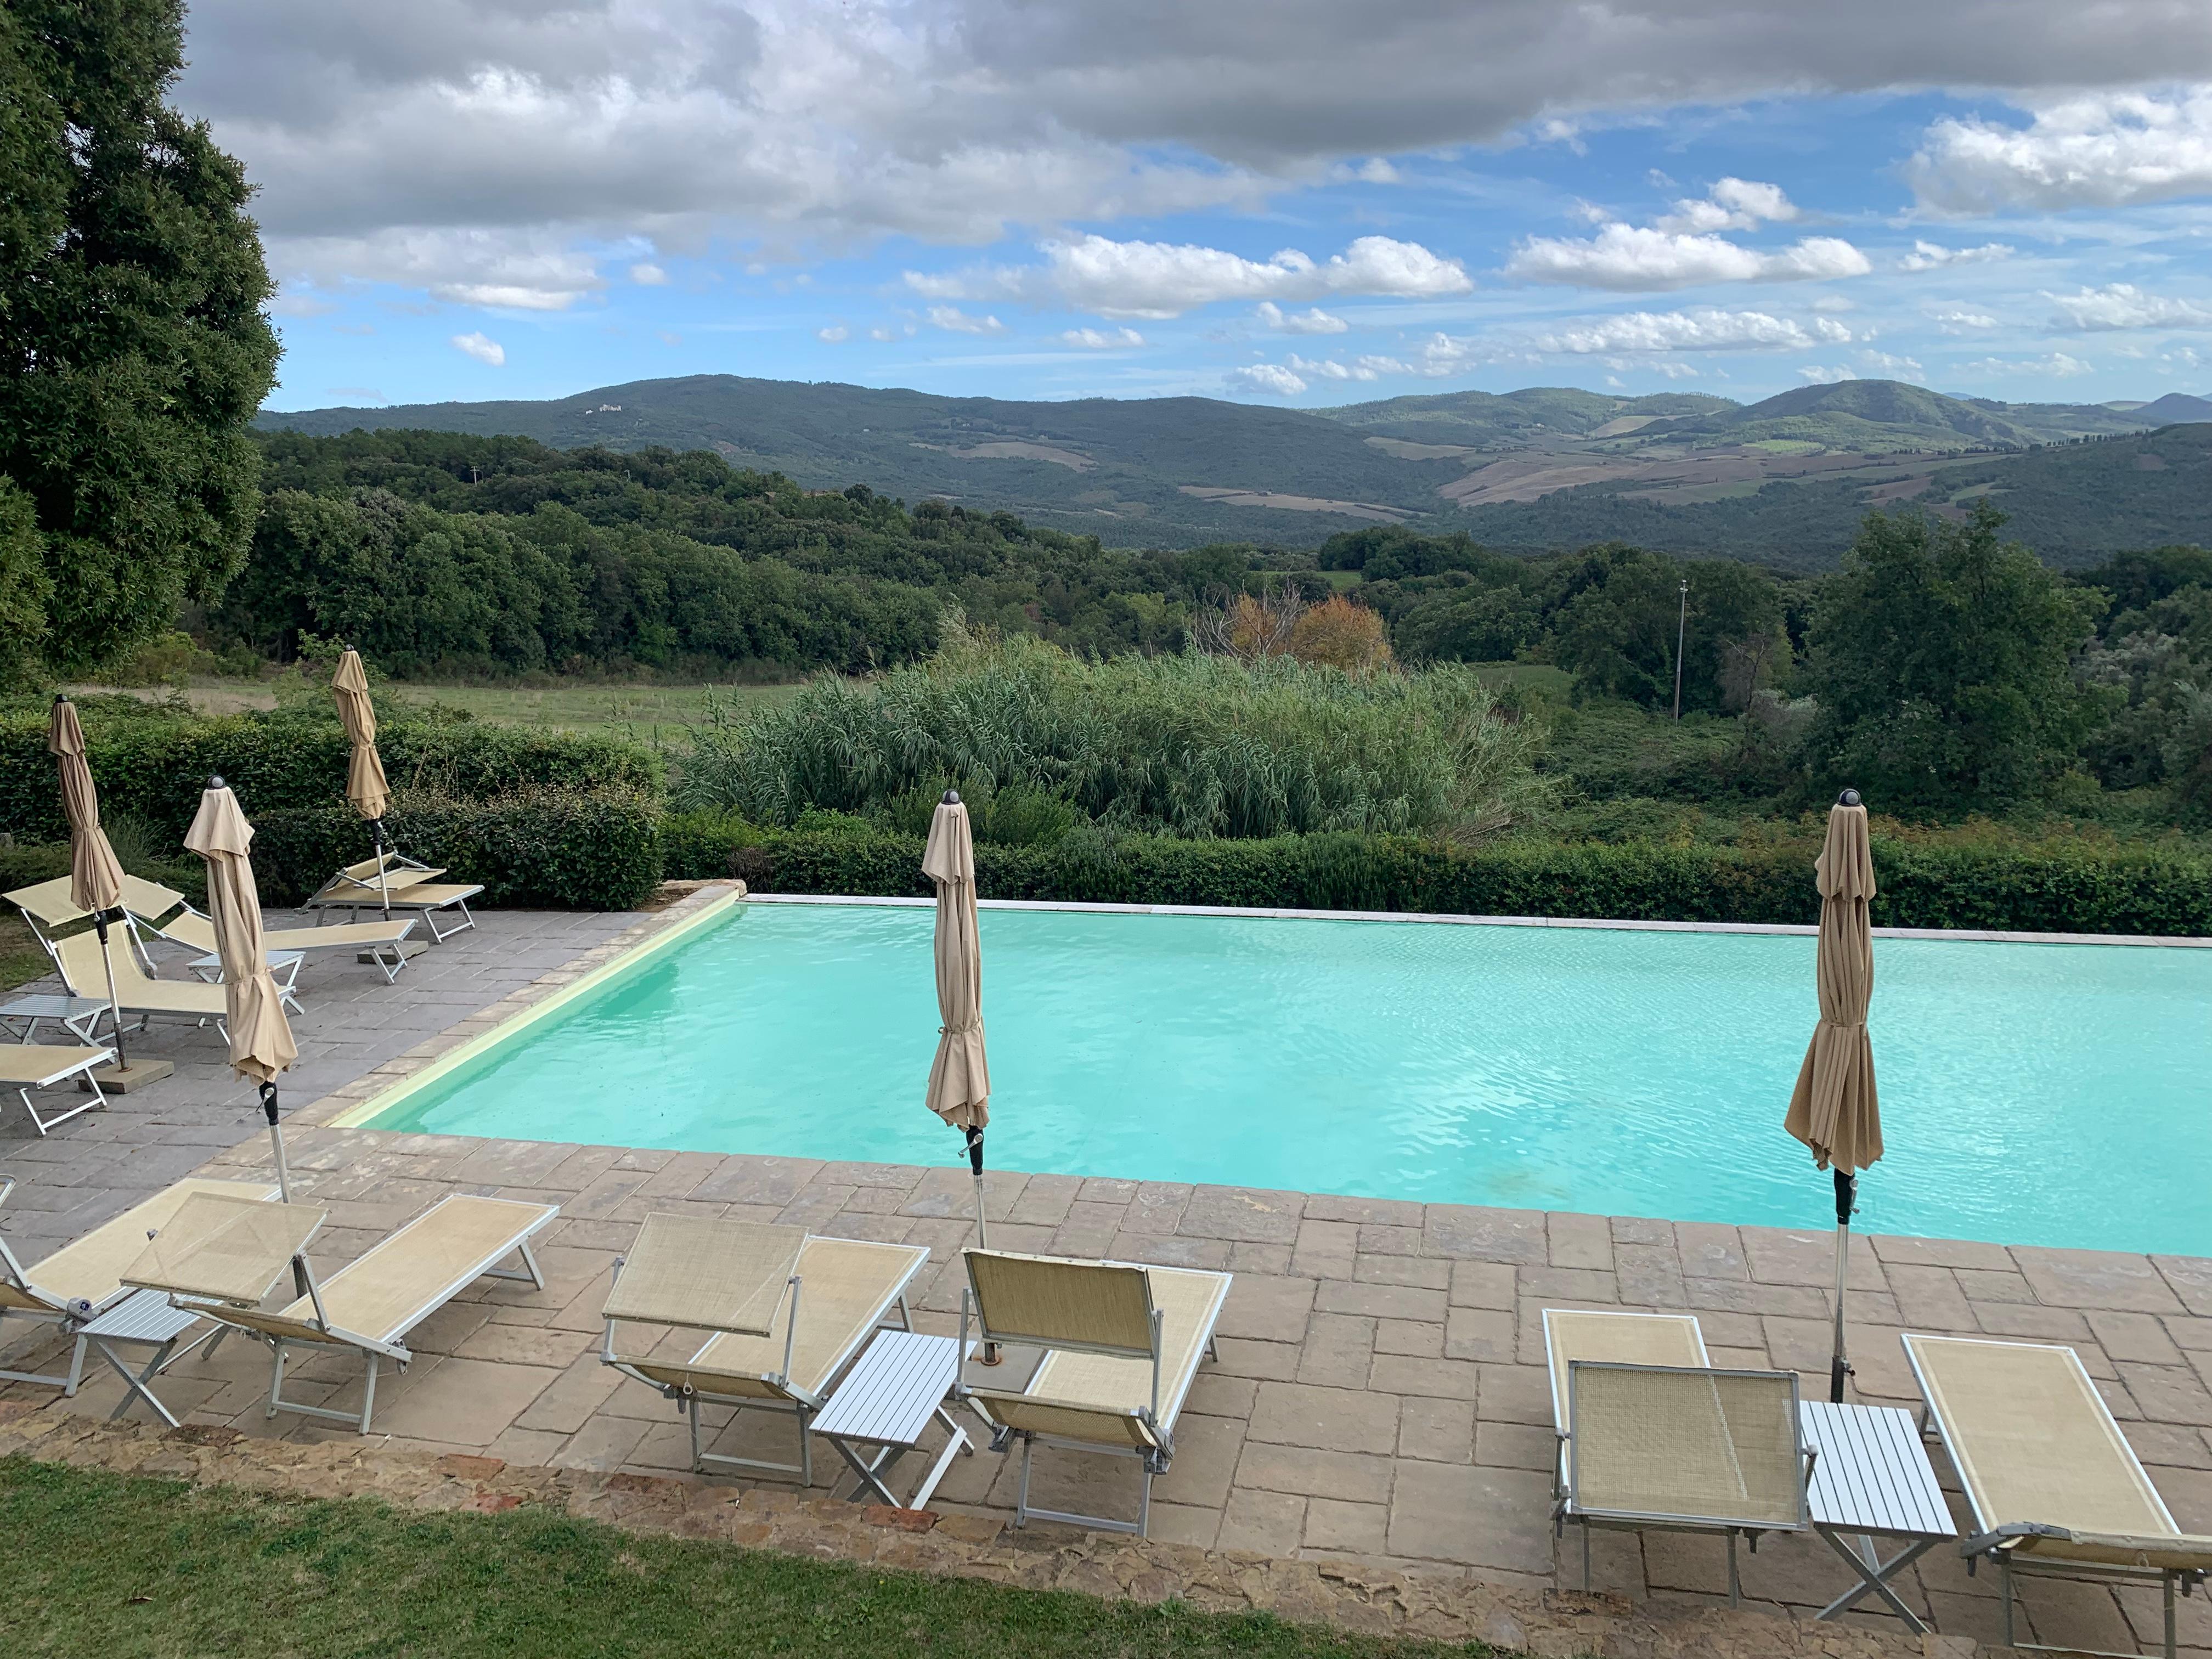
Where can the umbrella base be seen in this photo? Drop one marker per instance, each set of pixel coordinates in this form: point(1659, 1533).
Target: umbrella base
point(383, 953)
point(122, 1079)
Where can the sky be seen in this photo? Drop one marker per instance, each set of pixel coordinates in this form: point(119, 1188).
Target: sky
point(1298, 203)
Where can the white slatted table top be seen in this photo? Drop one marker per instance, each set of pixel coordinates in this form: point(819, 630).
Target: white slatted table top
point(1873, 1474)
point(142, 1317)
point(888, 1397)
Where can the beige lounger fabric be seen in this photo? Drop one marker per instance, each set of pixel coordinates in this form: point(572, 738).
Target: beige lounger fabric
point(702, 1274)
point(225, 1247)
point(1616, 1339)
point(1038, 1299)
point(91, 1268)
point(384, 1293)
point(84, 971)
point(26, 1065)
point(846, 1287)
point(2033, 1441)
point(261, 1043)
point(1703, 1445)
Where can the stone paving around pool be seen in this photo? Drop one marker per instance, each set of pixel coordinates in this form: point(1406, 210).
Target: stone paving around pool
point(1380, 1394)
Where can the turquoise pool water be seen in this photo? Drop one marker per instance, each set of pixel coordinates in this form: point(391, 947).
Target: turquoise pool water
point(2030, 1094)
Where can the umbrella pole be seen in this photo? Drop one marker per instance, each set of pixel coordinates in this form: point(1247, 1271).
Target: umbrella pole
point(983, 1235)
point(115, 1003)
point(1847, 1192)
point(283, 1175)
point(383, 878)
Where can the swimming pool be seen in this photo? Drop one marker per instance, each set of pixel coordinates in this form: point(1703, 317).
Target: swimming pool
point(2031, 1093)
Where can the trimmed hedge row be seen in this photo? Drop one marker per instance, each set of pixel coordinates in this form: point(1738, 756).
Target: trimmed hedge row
point(154, 770)
point(2085, 891)
point(538, 848)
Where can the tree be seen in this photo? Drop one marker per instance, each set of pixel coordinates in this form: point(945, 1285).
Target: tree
point(1618, 628)
point(1337, 633)
point(133, 349)
point(1942, 659)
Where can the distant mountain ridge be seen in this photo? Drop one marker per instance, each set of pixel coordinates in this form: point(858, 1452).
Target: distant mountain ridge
point(1178, 472)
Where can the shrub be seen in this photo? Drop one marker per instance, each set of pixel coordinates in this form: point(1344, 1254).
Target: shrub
point(1193, 746)
point(543, 847)
point(2090, 891)
point(154, 768)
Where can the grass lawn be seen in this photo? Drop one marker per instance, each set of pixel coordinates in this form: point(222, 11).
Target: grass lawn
point(105, 1565)
point(22, 960)
point(631, 710)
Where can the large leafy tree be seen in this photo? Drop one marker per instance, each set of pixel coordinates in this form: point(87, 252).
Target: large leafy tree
point(1942, 659)
point(133, 348)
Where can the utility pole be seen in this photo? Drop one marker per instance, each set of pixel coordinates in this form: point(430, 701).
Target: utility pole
point(1681, 630)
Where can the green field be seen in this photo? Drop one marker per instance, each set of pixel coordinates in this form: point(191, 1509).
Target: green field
point(102, 1563)
point(637, 711)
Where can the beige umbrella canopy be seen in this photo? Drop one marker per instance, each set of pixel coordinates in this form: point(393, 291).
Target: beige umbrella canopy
point(261, 1043)
point(960, 1077)
point(95, 877)
point(1835, 1109)
point(365, 784)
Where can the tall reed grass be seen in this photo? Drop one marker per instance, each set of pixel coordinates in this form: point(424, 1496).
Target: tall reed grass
point(1191, 745)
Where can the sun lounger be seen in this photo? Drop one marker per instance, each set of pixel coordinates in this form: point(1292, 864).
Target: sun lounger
point(789, 1311)
point(1614, 1337)
point(1679, 1449)
point(395, 884)
point(2052, 1485)
point(1094, 1357)
point(378, 941)
point(83, 1279)
point(68, 936)
point(367, 1307)
point(28, 1066)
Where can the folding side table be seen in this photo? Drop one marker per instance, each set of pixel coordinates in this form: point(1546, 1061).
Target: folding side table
point(887, 1400)
point(1872, 1479)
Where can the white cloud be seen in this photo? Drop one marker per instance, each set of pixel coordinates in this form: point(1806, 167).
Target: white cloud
point(1932, 256)
point(1731, 204)
point(836, 334)
point(1958, 319)
point(1315, 321)
point(2123, 305)
point(1703, 330)
point(670, 337)
point(292, 304)
point(2058, 364)
point(496, 269)
point(647, 275)
point(1819, 376)
point(1270, 378)
point(2104, 149)
point(883, 333)
point(1632, 259)
point(1892, 368)
point(953, 320)
point(1165, 279)
point(482, 350)
point(1102, 339)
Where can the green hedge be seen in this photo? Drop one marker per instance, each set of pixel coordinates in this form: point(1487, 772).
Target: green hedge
point(154, 770)
point(2088, 890)
point(537, 849)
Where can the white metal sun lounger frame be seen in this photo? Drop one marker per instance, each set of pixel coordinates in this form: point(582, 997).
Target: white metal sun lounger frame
point(803, 1403)
point(1994, 1539)
point(1158, 1416)
point(80, 1065)
point(392, 1346)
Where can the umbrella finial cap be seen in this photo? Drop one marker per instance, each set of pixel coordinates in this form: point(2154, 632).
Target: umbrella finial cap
point(952, 798)
point(1849, 798)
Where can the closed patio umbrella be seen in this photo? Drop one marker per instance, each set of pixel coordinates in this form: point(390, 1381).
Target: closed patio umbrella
point(960, 1077)
point(261, 1043)
point(365, 784)
point(1834, 1109)
point(95, 877)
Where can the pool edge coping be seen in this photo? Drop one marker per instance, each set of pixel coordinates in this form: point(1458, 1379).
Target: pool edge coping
point(1806, 930)
point(364, 1114)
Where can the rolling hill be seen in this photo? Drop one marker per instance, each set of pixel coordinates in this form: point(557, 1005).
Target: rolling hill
point(1534, 467)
